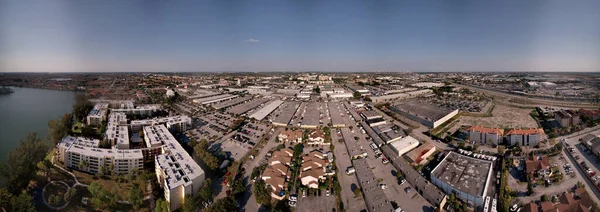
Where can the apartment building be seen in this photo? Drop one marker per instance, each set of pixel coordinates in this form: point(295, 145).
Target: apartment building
point(277, 173)
point(316, 137)
point(117, 132)
point(173, 123)
point(567, 118)
point(313, 169)
point(292, 136)
point(83, 154)
point(98, 114)
point(177, 172)
point(485, 135)
point(143, 110)
point(524, 137)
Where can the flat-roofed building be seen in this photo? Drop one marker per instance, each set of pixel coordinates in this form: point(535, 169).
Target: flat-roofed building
point(419, 155)
point(427, 114)
point(399, 96)
point(311, 116)
point(98, 114)
point(485, 135)
point(404, 145)
point(173, 123)
point(286, 112)
point(466, 177)
point(524, 137)
point(214, 99)
point(266, 110)
point(177, 172)
point(336, 114)
point(232, 102)
point(245, 107)
point(143, 110)
point(370, 114)
point(567, 118)
point(83, 154)
point(117, 132)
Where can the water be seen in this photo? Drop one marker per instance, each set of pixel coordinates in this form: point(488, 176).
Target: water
point(29, 110)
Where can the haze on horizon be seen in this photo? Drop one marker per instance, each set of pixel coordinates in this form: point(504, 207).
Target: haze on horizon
point(232, 36)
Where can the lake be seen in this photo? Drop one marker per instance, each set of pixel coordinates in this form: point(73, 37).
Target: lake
point(29, 110)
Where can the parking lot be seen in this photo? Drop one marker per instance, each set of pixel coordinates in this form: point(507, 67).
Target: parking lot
point(347, 182)
point(316, 203)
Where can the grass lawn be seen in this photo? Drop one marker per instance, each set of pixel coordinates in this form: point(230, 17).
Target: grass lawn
point(77, 127)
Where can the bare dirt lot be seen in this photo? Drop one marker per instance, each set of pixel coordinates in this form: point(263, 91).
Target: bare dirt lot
point(502, 117)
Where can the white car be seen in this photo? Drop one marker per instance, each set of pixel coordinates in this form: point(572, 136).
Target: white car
point(327, 193)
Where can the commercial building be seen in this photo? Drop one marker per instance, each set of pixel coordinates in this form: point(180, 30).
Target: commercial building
point(428, 84)
point(341, 95)
point(214, 99)
point(177, 172)
point(311, 116)
point(363, 91)
point(419, 155)
point(375, 198)
point(567, 118)
point(592, 142)
point(404, 145)
point(286, 112)
point(370, 114)
point(387, 134)
point(466, 177)
point(354, 150)
point(98, 114)
point(399, 96)
point(245, 107)
point(232, 102)
point(83, 154)
point(427, 114)
point(485, 135)
point(266, 110)
point(524, 137)
point(336, 113)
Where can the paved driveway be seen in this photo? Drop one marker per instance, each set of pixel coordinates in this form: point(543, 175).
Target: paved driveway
point(347, 182)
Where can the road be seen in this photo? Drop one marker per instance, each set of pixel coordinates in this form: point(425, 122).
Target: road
point(538, 102)
point(591, 161)
point(249, 203)
point(347, 182)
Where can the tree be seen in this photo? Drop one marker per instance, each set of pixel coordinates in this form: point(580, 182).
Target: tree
point(261, 192)
point(81, 107)
point(161, 206)
point(356, 95)
point(5, 199)
point(69, 194)
point(226, 204)
point(59, 128)
point(23, 203)
point(501, 150)
point(205, 191)
point(356, 192)
point(54, 200)
point(317, 89)
point(529, 187)
point(47, 165)
point(238, 187)
point(544, 198)
point(20, 166)
point(189, 205)
point(135, 196)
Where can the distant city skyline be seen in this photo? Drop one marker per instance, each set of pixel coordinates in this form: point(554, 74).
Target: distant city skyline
point(299, 36)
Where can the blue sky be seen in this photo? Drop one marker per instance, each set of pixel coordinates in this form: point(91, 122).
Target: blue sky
point(109, 36)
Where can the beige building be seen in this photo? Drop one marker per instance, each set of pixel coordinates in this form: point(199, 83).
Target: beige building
point(524, 137)
point(485, 135)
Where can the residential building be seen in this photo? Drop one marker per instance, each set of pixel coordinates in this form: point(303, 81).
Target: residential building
point(291, 136)
point(277, 172)
point(177, 172)
point(577, 201)
point(144, 110)
point(98, 114)
point(567, 118)
point(591, 114)
point(314, 169)
point(537, 167)
point(524, 137)
point(117, 132)
point(173, 123)
point(316, 137)
point(84, 154)
point(485, 135)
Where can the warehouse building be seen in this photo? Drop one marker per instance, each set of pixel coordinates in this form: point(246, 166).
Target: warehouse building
point(265, 111)
point(427, 114)
point(404, 145)
point(466, 177)
point(286, 113)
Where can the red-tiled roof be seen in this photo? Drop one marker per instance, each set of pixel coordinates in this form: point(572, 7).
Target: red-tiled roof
point(498, 131)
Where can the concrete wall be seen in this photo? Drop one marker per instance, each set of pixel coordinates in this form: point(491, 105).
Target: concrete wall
point(445, 118)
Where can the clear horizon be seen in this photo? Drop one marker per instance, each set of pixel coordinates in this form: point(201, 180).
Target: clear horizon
point(307, 36)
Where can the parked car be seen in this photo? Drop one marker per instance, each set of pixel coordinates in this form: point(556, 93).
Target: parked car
point(385, 161)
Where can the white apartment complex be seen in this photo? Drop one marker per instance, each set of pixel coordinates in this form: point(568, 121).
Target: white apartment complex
point(98, 114)
point(117, 132)
point(144, 110)
point(73, 151)
point(174, 123)
point(176, 171)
